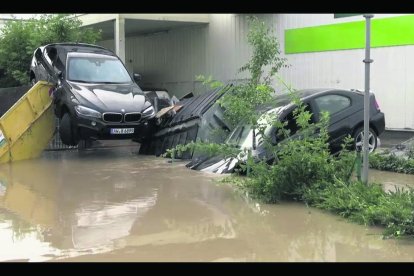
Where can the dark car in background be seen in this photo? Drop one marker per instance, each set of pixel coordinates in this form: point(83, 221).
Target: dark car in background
point(346, 109)
point(95, 96)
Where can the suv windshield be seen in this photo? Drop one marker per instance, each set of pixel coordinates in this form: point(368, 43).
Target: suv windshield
point(97, 69)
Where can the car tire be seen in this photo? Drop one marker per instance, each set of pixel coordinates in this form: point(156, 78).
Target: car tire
point(358, 139)
point(145, 147)
point(85, 144)
point(66, 131)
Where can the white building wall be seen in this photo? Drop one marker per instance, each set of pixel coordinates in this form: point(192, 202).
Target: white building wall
point(173, 59)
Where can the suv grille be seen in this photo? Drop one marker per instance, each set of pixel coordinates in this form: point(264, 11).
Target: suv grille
point(112, 117)
point(132, 117)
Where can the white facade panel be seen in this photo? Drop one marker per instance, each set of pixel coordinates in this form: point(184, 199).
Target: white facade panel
point(388, 78)
point(409, 88)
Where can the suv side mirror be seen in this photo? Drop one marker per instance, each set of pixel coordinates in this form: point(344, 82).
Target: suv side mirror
point(137, 77)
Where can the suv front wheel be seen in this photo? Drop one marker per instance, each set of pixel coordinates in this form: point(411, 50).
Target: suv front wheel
point(67, 132)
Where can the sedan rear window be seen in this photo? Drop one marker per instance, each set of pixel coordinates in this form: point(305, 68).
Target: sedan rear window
point(97, 70)
point(332, 103)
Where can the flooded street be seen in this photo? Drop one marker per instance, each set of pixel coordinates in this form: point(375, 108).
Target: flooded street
point(113, 205)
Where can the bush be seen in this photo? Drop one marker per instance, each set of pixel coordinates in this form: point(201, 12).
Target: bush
point(391, 162)
point(20, 38)
point(366, 204)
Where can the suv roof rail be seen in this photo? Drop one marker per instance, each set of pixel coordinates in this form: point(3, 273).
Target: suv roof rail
point(76, 44)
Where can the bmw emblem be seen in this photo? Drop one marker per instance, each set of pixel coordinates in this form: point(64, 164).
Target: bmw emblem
point(122, 110)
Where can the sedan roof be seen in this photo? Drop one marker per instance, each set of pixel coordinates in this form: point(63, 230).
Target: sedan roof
point(285, 99)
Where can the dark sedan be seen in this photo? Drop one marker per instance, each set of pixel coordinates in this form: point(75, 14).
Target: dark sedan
point(95, 97)
point(346, 109)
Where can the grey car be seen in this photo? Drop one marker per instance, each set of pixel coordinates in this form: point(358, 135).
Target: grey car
point(346, 109)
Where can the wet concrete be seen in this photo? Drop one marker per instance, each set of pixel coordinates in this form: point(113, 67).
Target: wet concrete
point(113, 205)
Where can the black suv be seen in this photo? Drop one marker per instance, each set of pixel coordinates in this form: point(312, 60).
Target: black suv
point(95, 97)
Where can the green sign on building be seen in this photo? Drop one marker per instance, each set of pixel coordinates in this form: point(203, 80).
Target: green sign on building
point(386, 32)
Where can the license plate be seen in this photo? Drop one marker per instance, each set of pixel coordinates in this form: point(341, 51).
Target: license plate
point(122, 130)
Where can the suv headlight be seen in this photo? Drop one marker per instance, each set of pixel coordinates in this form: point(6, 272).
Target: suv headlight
point(149, 111)
point(85, 111)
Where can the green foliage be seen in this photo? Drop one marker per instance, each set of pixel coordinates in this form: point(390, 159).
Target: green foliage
point(243, 100)
point(366, 204)
point(265, 52)
point(20, 38)
point(391, 162)
point(410, 152)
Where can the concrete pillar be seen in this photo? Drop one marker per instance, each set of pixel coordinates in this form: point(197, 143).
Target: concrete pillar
point(120, 37)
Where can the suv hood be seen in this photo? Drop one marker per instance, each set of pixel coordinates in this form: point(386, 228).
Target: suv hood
point(110, 97)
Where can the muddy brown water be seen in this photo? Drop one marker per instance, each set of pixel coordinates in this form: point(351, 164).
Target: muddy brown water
point(113, 205)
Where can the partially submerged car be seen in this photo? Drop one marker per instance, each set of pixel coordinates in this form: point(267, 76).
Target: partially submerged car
point(346, 109)
point(95, 96)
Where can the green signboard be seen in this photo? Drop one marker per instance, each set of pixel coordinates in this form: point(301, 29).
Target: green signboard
point(386, 32)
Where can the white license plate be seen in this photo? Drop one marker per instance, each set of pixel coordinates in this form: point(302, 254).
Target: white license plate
point(122, 130)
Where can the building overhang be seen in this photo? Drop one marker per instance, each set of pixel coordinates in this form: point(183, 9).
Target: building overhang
point(139, 24)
